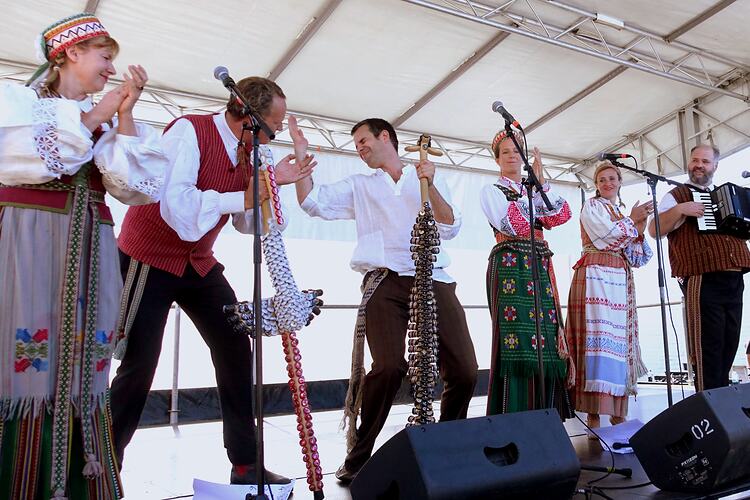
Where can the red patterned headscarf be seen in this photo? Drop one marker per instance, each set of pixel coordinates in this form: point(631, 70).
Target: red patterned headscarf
point(500, 137)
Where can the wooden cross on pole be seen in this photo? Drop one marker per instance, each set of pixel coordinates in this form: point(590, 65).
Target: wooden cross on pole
point(424, 147)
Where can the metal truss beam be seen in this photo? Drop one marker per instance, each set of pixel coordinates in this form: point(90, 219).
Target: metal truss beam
point(651, 61)
point(445, 82)
point(579, 96)
point(655, 37)
point(457, 153)
point(307, 33)
point(692, 123)
point(91, 6)
point(159, 106)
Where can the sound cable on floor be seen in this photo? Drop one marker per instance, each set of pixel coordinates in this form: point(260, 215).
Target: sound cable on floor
point(611, 453)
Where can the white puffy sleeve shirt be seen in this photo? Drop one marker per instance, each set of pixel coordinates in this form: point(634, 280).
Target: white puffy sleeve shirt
point(44, 139)
point(512, 217)
point(384, 212)
point(613, 235)
point(188, 210)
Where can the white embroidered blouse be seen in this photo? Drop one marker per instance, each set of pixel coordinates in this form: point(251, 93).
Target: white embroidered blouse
point(611, 230)
point(44, 139)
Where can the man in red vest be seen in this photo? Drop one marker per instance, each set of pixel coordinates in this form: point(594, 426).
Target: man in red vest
point(166, 256)
point(710, 268)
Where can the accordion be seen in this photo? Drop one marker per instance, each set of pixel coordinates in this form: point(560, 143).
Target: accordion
point(726, 210)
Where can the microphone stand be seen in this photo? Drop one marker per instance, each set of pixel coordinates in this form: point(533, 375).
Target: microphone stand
point(257, 124)
point(652, 179)
point(532, 181)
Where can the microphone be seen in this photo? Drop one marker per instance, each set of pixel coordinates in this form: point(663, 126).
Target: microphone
point(613, 156)
point(498, 107)
point(221, 73)
point(745, 174)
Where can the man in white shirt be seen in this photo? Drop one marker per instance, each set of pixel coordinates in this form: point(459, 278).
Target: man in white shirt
point(168, 247)
point(384, 206)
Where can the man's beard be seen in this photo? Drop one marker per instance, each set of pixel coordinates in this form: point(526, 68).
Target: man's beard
point(702, 179)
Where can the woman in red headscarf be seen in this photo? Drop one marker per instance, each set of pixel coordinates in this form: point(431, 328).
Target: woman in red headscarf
point(510, 290)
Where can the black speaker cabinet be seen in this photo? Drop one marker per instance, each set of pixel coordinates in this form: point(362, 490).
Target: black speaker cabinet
point(700, 444)
point(515, 456)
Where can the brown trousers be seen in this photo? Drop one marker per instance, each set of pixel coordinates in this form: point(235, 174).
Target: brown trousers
point(387, 315)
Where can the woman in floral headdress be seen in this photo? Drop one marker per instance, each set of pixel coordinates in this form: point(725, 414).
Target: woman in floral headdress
point(59, 276)
point(514, 369)
point(602, 324)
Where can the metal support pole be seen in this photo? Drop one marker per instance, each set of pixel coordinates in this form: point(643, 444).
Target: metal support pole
point(174, 405)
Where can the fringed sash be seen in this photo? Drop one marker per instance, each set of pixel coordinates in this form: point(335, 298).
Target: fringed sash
point(62, 410)
point(129, 303)
point(356, 380)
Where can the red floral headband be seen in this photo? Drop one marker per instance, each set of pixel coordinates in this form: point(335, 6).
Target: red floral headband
point(502, 135)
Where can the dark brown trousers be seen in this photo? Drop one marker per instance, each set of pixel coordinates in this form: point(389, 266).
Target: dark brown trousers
point(387, 315)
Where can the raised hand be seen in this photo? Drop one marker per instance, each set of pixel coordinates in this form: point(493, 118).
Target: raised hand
point(105, 109)
point(134, 83)
point(639, 213)
point(287, 172)
point(298, 138)
point(537, 165)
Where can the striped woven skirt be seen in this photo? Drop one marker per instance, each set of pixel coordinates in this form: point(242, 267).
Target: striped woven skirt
point(601, 311)
point(59, 292)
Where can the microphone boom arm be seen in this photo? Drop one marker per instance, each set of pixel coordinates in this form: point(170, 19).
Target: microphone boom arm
point(646, 174)
point(221, 74)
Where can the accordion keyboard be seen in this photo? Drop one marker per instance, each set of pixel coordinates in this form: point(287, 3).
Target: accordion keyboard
point(708, 221)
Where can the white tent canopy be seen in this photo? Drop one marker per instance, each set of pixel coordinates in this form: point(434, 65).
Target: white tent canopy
point(584, 76)
point(434, 71)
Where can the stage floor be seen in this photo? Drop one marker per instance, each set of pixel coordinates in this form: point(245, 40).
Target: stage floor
point(161, 463)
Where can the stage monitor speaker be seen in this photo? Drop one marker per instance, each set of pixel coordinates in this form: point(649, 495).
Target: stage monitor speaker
point(700, 444)
point(514, 456)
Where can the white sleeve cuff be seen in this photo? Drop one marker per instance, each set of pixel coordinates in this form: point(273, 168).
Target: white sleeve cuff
point(311, 200)
point(232, 202)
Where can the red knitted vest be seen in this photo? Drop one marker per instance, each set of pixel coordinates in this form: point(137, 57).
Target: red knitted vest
point(692, 253)
point(146, 237)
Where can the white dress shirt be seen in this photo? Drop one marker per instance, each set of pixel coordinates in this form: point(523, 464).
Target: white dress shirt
point(189, 211)
point(384, 212)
